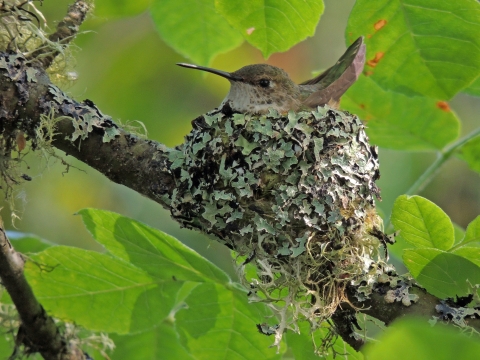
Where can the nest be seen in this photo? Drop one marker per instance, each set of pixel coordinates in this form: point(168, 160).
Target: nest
point(292, 195)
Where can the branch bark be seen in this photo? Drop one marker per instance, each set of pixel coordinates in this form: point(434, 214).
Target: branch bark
point(38, 331)
point(127, 159)
point(66, 31)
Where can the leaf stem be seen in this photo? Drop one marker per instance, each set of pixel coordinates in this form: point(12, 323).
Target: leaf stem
point(443, 156)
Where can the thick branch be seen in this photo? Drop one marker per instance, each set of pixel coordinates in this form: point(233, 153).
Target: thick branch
point(426, 306)
point(38, 330)
point(344, 320)
point(126, 159)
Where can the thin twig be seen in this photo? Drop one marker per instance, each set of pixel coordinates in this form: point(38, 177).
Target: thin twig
point(38, 331)
point(67, 29)
point(443, 156)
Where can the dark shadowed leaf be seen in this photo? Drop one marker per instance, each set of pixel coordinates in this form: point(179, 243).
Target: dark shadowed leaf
point(442, 274)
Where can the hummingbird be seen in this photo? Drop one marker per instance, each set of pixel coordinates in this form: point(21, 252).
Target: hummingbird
point(254, 89)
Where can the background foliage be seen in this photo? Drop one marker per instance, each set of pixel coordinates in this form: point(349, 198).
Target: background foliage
point(421, 54)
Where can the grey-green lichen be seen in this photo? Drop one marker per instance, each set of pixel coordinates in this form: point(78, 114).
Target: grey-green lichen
point(291, 194)
point(84, 119)
point(17, 135)
point(458, 315)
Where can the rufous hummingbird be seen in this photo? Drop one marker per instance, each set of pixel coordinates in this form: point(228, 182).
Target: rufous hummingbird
point(256, 88)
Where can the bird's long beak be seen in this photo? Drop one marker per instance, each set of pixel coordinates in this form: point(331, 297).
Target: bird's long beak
point(221, 73)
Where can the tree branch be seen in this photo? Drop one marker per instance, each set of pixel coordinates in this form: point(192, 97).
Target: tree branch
point(38, 331)
point(66, 31)
point(27, 98)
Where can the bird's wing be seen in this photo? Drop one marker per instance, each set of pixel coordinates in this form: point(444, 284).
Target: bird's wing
point(332, 83)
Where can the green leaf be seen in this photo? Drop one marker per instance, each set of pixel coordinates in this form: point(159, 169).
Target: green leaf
point(159, 254)
point(99, 292)
point(472, 234)
point(459, 233)
point(420, 47)
point(162, 342)
point(474, 88)
point(397, 121)
point(132, 289)
point(215, 323)
point(220, 324)
point(194, 29)
point(271, 25)
point(302, 345)
point(27, 243)
point(442, 274)
point(120, 8)
point(470, 253)
point(416, 339)
point(470, 152)
point(7, 343)
point(422, 223)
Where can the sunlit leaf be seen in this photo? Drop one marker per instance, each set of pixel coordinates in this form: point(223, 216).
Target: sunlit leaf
point(420, 47)
point(219, 324)
point(194, 28)
point(151, 284)
point(459, 233)
point(161, 255)
point(474, 88)
point(97, 291)
point(214, 323)
point(422, 223)
point(271, 25)
point(397, 121)
point(416, 339)
point(472, 234)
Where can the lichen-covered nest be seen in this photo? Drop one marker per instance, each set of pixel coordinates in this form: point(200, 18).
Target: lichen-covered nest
point(291, 194)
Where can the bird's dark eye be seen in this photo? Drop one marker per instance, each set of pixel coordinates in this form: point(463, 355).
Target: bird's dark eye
point(264, 83)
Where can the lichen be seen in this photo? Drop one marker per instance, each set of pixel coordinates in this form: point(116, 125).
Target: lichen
point(291, 194)
point(23, 31)
point(84, 119)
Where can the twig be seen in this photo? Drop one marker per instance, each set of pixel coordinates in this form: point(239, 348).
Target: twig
point(66, 31)
point(443, 156)
point(38, 331)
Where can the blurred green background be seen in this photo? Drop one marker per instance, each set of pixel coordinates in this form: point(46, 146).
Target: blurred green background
point(130, 74)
